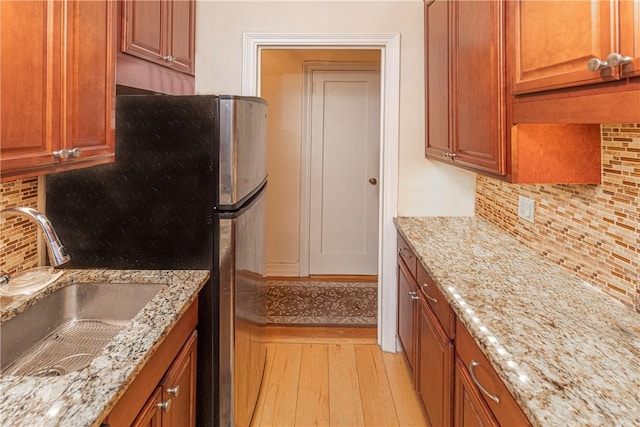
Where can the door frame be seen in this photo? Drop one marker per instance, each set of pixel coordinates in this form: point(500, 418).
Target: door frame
point(389, 46)
point(305, 165)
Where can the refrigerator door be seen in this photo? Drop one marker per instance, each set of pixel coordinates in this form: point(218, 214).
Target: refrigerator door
point(243, 145)
point(242, 318)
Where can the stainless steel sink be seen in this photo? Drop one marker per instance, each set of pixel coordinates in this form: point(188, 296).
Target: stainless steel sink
point(64, 331)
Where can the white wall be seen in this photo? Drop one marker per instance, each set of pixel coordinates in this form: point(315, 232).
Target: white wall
point(425, 187)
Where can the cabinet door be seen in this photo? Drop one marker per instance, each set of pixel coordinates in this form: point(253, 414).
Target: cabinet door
point(144, 25)
point(30, 46)
point(90, 80)
point(630, 36)
point(150, 415)
point(478, 85)
point(181, 37)
point(179, 387)
point(435, 368)
point(552, 51)
point(470, 410)
point(407, 296)
point(437, 77)
point(161, 31)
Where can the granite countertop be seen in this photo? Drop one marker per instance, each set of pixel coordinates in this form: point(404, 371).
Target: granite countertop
point(569, 353)
point(85, 397)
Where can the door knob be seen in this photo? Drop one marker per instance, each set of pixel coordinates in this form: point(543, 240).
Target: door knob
point(373, 181)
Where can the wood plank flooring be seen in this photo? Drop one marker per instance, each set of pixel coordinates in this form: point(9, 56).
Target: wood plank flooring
point(334, 377)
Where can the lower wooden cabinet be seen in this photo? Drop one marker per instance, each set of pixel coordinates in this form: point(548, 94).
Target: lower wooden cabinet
point(455, 381)
point(470, 408)
point(435, 367)
point(407, 298)
point(150, 416)
point(173, 403)
point(164, 391)
point(485, 381)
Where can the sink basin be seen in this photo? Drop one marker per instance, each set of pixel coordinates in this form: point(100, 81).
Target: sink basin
point(64, 331)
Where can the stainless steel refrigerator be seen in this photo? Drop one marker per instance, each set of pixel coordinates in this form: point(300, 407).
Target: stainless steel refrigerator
point(186, 192)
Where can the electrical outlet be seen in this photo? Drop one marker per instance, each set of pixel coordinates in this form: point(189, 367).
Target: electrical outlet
point(526, 208)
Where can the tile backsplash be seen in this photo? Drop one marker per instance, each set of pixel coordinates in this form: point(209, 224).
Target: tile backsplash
point(18, 237)
point(593, 230)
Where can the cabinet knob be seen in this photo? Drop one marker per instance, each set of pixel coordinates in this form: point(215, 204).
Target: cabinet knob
point(65, 153)
point(174, 390)
point(613, 60)
point(373, 181)
point(405, 253)
point(169, 58)
point(449, 154)
point(164, 406)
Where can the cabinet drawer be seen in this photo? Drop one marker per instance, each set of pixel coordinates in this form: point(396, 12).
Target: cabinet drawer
point(407, 255)
point(437, 301)
point(505, 409)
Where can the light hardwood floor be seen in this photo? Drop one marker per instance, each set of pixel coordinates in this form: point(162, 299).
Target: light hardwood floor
point(334, 377)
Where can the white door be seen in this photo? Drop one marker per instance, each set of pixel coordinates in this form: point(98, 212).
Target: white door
point(345, 145)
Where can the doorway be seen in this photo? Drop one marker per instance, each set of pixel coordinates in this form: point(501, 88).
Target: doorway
point(340, 168)
point(388, 46)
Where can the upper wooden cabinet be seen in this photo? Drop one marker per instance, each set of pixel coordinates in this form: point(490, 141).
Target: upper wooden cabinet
point(551, 51)
point(57, 88)
point(157, 46)
point(579, 70)
point(160, 31)
point(465, 102)
point(470, 109)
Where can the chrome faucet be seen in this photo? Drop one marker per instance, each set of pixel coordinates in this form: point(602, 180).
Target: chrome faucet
point(57, 253)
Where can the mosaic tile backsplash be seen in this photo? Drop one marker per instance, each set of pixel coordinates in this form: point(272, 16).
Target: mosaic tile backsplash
point(593, 230)
point(18, 237)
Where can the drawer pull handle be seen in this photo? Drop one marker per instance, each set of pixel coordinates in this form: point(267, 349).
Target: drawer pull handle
point(174, 390)
point(429, 297)
point(413, 295)
point(404, 252)
point(472, 366)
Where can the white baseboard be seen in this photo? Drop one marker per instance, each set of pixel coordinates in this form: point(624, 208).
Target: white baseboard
point(283, 270)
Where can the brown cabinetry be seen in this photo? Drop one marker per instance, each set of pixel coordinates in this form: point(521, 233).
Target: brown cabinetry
point(157, 43)
point(172, 404)
point(427, 343)
point(464, 80)
point(57, 86)
point(407, 306)
point(469, 115)
point(163, 392)
point(552, 52)
point(578, 70)
point(161, 31)
point(485, 384)
point(435, 367)
point(470, 409)
point(455, 381)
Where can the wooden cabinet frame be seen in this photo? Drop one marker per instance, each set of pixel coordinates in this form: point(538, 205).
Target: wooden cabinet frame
point(59, 91)
point(488, 130)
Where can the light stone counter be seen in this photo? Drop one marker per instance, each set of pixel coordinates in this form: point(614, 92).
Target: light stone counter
point(85, 397)
point(569, 354)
